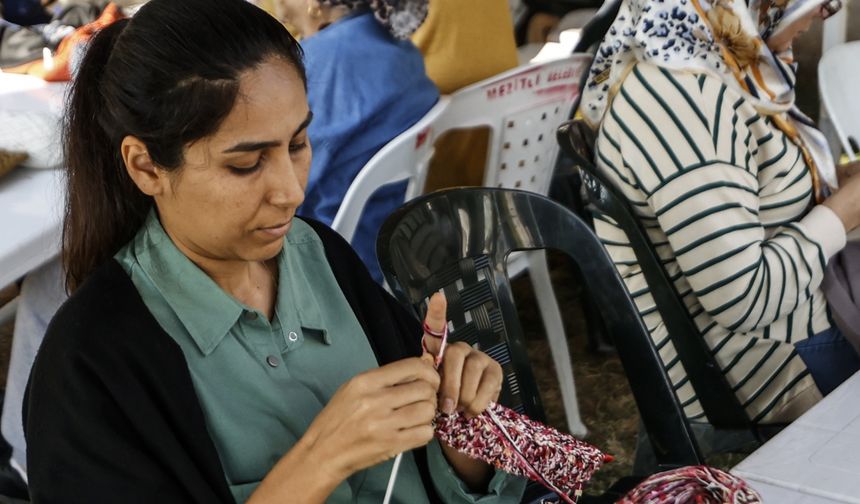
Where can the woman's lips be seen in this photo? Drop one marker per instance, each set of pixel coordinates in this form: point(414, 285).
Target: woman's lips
point(277, 231)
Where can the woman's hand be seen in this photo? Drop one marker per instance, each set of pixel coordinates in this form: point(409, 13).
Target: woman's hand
point(370, 419)
point(377, 415)
point(470, 381)
point(846, 171)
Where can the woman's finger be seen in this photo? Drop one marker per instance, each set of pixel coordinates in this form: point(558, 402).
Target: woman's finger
point(402, 371)
point(452, 369)
point(404, 394)
point(413, 415)
point(488, 390)
point(409, 439)
point(473, 370)
point(436, 320)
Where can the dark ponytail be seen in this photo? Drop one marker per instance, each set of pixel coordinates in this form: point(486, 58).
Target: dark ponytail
point(169, 77)
point(104, 207)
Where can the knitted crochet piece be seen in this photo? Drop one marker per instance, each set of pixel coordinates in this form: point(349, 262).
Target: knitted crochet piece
point(517, 445)
point(692, 485)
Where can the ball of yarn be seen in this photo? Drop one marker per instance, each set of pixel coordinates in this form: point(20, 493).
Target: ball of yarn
point(693, 484)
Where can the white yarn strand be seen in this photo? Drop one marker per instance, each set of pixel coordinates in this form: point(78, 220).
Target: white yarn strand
point(392, 479)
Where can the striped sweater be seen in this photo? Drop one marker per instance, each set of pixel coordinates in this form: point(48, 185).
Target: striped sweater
point(727, 201)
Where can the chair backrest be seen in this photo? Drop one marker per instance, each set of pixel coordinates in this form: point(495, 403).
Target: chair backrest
point(458, 240)
point(838, 73)
point(403, 158)
point(720, 404)
point(522, 107)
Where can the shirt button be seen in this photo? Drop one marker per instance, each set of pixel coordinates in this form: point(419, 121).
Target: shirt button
point(250, 315)
point(293, 336)
point(272, 361)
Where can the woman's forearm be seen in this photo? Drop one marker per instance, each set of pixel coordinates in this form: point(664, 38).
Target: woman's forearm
point(298, 477)
point(474, 473)
point(846, 203)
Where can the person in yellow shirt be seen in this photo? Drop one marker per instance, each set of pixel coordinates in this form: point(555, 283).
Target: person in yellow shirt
point(459, 51)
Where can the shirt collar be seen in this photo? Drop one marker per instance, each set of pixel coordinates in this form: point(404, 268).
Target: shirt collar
point(206, 311)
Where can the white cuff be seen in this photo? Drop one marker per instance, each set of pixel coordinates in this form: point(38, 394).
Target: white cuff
point(825, 227)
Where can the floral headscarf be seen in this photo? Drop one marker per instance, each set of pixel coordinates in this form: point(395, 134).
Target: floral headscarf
point(400, 17)
point(724, 38)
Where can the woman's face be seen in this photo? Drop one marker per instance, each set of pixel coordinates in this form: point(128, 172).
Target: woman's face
point(236, 194)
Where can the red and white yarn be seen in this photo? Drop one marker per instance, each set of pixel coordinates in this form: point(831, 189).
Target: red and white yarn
point(692, 485)
point(518, 445)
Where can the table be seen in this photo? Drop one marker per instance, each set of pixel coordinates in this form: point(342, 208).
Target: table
point(31, 200)
point(816, 459)
point(31, 206)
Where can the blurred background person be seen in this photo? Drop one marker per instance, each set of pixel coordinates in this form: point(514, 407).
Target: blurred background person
point(366, 85)
point(697, 126)
point(463, 43)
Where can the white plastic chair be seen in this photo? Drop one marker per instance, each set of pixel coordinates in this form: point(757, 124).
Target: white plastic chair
point(404, 158)
point(838, 74)
point(522, 107)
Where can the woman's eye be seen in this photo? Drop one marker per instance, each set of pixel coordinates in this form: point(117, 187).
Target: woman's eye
point(246, 170)
point(295, 147)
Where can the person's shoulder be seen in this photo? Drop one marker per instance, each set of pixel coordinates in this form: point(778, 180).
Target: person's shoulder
point(105, 310)
point(649, 79)
point(649, 87)
point(340, 33)
point(359, 41)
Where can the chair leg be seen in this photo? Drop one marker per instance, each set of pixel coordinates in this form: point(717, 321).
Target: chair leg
point(597, 342)
point(539, 275)
point(644, 459)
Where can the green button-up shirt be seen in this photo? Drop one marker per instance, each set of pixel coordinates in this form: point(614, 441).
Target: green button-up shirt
point(261, 383)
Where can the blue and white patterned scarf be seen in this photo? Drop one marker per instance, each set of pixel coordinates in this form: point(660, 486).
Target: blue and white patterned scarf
point(723, 38)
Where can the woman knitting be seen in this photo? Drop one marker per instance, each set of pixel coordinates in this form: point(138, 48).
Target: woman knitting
point(216, 348)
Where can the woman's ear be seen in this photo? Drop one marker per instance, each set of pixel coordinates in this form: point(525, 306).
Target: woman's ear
point(146, 175)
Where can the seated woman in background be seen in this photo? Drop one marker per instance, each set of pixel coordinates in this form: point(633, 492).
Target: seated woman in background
point(215, 348)
point(463, 43)
point(366, 85)
point(695, 105)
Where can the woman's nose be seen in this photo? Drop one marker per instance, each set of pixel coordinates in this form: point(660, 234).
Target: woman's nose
point(285, 188)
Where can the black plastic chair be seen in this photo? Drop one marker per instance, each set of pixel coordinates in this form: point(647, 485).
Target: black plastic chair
point(728, 427)
point(566, 182)
point(594, 31)
point(458, 240)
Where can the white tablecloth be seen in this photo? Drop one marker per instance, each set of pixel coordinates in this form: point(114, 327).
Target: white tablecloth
point(31, 200)
point(31, 205)
point(816, 459)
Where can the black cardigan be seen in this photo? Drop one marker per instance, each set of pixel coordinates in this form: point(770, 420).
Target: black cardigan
point(111, 414)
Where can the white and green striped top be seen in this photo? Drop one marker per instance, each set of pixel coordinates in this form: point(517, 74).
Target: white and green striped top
point(727, 200)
